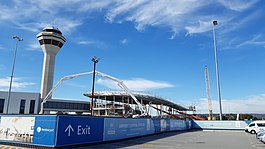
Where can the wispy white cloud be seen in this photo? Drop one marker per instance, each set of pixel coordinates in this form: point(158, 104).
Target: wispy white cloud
point(122, 7)
point(252, 104)
point(108, 83)
point(5, 13)
point(1, 47)
point(237, 5)
point(18, 83)
point(151, 13)
point(85, 42)
point(72, 84)
point(174, 33)
point(34, 47)
point(44, 13)
point(32, 27)
point(96, 43)
point(64, 24)
point(202, 27)
point(95, 5)
point(176, 15)
point(138, 84)
point(257, 40)
point(124, 41)
point(230, 23)
point(237, 42)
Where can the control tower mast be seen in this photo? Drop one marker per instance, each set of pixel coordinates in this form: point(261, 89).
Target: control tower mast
point(51, 40)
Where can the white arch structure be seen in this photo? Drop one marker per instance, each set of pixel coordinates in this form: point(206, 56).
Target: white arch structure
point(120, 84)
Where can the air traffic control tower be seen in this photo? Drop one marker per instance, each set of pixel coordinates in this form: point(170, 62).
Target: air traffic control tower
point(51, 40)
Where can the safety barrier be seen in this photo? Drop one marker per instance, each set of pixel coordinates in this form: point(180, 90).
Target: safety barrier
point(225, 125)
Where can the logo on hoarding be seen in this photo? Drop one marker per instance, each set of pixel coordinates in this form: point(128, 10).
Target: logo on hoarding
point(39, 129)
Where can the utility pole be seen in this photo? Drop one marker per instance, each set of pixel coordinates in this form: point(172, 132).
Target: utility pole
point(95, 60)
point(12, 72)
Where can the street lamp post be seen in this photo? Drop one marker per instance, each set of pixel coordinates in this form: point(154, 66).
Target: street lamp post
point(12, 72)
point(216, 69)
point(95, 60)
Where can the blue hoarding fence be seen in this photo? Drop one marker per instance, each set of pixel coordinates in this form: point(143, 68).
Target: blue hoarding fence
point(120, 128)
point(45, 130)
point(79, 129)
point(64, 130)
point(32, 130)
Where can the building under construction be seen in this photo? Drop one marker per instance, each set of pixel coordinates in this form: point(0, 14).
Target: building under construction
point(118, 103)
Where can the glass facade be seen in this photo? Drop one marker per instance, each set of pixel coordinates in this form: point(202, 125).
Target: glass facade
point(2, 104)
point(32, 107)
point(50, 41)
point(66, 105)
point(22, 106)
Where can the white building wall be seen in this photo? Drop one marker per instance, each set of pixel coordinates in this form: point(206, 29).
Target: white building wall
point(15, 99)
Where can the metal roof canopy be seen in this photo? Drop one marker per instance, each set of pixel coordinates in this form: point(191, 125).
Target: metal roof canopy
point(142, 97)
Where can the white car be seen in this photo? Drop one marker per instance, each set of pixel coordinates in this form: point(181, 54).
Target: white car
point(254, 126)
point(260, 134)
point(262, 138)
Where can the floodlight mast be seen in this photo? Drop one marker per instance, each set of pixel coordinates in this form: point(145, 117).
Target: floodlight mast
point(217, 70)
point(95, 60)
point(12, 71)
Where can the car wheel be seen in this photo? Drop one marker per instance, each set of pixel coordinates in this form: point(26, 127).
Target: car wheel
point(253, 132)
point(246, 130)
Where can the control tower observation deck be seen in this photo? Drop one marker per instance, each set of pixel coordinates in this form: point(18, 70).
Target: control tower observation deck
point(51, 40)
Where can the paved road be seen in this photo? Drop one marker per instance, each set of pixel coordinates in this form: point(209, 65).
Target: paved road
point(188, 140)
point(182, 140)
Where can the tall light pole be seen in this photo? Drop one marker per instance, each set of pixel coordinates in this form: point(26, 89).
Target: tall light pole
point(12, 72)
point(216, 69)
point(95, 60)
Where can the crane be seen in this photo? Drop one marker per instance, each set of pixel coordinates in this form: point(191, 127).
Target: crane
point(120, 84)
point(207, 80)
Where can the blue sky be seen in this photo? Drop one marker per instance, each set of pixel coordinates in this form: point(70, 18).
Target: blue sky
point(159, 47)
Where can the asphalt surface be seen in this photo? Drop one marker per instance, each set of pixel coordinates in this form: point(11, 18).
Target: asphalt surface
point(187, 140)
point(181, 140)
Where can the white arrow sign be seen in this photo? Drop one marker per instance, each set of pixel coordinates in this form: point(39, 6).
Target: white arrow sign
point(69, 129)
